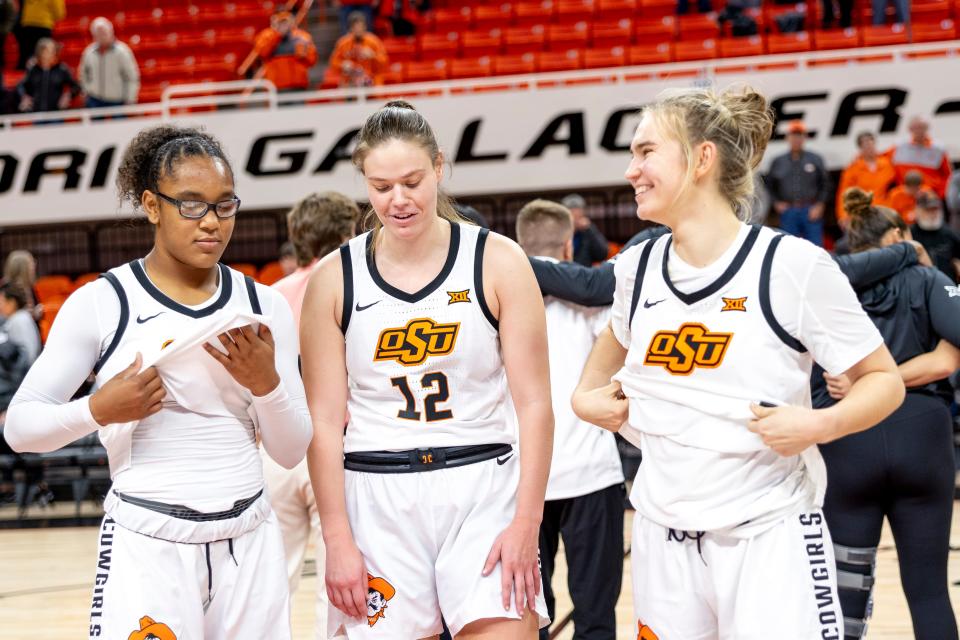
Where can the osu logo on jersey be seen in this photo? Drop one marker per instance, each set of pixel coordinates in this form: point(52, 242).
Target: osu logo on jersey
point(379, 591)
point(734, 304)
point(689, 347)
point(150, 630)
point(459, 296)
point(644, 632)
point(418, 340)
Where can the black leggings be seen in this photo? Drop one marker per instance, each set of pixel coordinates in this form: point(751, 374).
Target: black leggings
point(902, 469)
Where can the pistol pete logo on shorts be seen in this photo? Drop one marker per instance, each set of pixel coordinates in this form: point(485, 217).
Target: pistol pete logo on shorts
point(379, 591)
point(150, 630)
point(644, 632)
point(689, 347)
point(412, 344)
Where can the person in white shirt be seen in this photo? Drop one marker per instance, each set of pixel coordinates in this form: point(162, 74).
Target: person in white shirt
point(706, 367)
point(189, 546)
point(585, 492)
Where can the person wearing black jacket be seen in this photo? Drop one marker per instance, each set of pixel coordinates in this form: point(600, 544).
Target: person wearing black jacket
point(902, 469)
point(48, 85)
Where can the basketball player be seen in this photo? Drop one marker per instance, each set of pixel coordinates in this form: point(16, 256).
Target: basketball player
point(903, 469)
point(188, 541)
point(710, 347)
point(585, 492)
point(417, 327)
point(317, 225)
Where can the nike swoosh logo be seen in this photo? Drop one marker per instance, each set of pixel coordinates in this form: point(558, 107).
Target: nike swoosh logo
point(647, 304)
point(504, 460)
point(359, 308)
point(142, 320)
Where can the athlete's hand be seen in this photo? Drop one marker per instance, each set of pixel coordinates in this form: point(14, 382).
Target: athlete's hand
point(605, 406)
point(517, 550)
point(922, 256)
point(787, 430)
point(837, 386)
point(249, 358)
point(346, 578)
point(128, 396)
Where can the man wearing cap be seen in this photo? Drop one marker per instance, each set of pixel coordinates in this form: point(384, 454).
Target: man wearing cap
point(589, 245)
point(922, 154)
point(287, 53)
point(799, 186)
point(940, 241)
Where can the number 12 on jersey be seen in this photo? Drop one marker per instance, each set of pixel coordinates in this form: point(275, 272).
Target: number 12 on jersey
point(436, 380)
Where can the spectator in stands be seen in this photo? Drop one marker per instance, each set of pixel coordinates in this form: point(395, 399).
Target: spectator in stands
point(18, 323)
point(403, 15)
point(799, 186)
point(941, 242)
point(359, 56)
point(953, 197)
point(37, 18)
point(903, 198)
point(21, 268)
point(703, 6)
point(109, 73)
point(48, 85)
point(870, 171)
point(288, 258)
point(347, 7)
point(589, 245)
point(901, 9)
point(287, 53)
point(921, 154)
point(846, 17)
point(8, 19)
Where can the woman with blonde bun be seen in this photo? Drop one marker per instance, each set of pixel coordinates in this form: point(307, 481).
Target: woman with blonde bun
point(706, 367)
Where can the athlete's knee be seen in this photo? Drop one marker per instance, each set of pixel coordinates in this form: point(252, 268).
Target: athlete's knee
point(856, 569)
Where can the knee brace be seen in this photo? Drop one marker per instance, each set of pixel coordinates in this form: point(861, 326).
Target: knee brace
point(847, 580)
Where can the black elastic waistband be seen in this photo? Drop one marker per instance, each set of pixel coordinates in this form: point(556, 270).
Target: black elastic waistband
point(416, 460)
point(186, 513)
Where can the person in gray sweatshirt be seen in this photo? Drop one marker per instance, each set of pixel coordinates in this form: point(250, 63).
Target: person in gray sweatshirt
point(109, 73)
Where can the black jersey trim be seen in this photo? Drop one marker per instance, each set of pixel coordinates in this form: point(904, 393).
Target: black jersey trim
point(638, 282)
point(478, 278)
point(226, 288)
point(765, 305)
point(121, 324)
point(252, 294)
point(725, 277)
point(347, 265)
point(431, 286)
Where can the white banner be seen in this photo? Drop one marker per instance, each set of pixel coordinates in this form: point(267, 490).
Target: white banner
point(522, 140)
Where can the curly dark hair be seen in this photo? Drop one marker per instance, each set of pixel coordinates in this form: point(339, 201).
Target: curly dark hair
point(155, 152)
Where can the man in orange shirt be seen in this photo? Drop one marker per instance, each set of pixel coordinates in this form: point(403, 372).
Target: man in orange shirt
point(921, 154)
point(360, 57)
point(287, 53)
point(903, 199)
point(870, 171)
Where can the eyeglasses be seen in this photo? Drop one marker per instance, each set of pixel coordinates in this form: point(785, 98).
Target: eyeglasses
point(196, 209)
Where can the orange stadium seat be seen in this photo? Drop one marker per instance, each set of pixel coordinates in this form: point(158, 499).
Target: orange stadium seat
point(575, 10)
point(245, 268)
point(882, 35)
point(50, 311)
point(439, 46)
point(848, 38)
point(789, 42)
point(741, 47)
point(395, 73)
point(450, 19)
point(604, 58)
point(617, 32)
point(84, 279)
point(471, 68)
point(518, 40)
point(616, 9)
point(482, 43)
point(929, 11)
point(52, 287)
point(698, 50)
point(654, 30)
point(699, 26)
point(401, 49)
point(514, 65)
point(932, 32)
point(531, 13)
point(270, 273)
point(426, 71)
point(657, 8)
point(559, 61)
point(492, 16)
point(561, 37)
point(659, 53)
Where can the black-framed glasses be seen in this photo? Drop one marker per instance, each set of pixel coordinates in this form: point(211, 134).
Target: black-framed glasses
point(196, 209)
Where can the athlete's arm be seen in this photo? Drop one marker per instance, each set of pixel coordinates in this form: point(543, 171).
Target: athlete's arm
point(867, 268)
point(323, 353)
point(511, 290)
point(932, 366)
point(596, 399)
point(589, 286)
point(282, 413)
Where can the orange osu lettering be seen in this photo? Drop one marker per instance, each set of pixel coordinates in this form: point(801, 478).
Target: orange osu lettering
point(150, 630)
point(418, 340)
point(689, 347)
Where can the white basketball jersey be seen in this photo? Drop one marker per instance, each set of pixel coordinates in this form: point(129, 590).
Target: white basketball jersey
point(424, 369)
point(696, 361)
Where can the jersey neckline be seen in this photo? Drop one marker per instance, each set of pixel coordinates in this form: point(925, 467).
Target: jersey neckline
point(226, 288)
point(431, 286)
point(716, 285)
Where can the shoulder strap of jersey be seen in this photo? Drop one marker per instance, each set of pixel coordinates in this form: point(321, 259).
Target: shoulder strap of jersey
point(252, 294)
point(121, 324)
point(765, 305)
point(638, 282)
point(478, 277)
point(346, 265)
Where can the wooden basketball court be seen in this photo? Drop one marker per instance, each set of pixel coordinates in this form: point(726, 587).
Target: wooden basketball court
point(45, 587)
